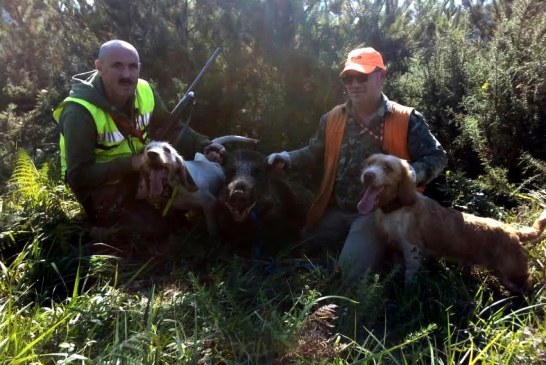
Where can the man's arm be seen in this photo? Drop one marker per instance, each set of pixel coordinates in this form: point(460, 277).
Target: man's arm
point(80, 136)
point(313, 153)
point(427, 155)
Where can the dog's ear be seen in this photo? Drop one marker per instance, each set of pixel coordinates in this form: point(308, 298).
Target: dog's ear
point(143, 189)
point(407, 190)
point(184, 176)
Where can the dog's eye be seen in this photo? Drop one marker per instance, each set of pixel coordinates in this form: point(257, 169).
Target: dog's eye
point(387, 168)
point(167, 150)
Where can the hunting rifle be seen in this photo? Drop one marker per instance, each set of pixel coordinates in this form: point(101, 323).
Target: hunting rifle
point(189, 96)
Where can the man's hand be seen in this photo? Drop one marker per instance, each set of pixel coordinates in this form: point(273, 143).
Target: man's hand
point(214, 152)
point(279, 160)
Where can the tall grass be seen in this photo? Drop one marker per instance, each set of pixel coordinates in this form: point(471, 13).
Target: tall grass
point(242, 316)
point(65, 305)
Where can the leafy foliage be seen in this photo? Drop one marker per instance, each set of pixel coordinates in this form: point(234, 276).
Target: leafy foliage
point(507, 89)
point(38, 225)
point(36, 194)
point(476, 71)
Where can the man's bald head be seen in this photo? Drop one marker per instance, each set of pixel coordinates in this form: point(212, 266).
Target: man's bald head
point(114, 45)
point(119, 67)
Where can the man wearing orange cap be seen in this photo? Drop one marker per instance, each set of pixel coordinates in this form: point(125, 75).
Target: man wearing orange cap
point(367, 123)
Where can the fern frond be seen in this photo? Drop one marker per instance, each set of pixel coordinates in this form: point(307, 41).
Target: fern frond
point(24, 181)
point(134, 350)
point(43, 174)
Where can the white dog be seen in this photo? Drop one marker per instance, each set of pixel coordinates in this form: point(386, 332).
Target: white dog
point(195, 183)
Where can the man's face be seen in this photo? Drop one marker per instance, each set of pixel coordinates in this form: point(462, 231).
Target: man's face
point(363, 88)
point(119, 69)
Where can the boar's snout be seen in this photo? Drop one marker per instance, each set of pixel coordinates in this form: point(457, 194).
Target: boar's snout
point(240, 199)
point(239, 186)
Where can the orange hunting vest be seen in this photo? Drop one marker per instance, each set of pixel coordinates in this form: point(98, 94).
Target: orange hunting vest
point(395, 142)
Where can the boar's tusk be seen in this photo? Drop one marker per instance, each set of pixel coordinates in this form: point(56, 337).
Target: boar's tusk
point(234, 138)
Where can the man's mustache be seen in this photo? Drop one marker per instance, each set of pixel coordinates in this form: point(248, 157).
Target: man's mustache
point(125, 81)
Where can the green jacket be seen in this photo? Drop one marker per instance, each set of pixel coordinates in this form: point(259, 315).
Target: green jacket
point(83, 172)
point(115, 141)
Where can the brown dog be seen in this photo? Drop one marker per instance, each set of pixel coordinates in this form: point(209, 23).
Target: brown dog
point(415, 222)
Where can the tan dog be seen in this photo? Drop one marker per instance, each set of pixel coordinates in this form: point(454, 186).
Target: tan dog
point(197, 182)
point(162, 167)
point(415, 222)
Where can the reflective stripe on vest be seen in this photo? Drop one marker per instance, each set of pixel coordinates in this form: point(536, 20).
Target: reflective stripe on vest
point(111, 143)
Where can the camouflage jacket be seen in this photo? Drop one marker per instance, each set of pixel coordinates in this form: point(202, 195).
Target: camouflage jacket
point(428, 158)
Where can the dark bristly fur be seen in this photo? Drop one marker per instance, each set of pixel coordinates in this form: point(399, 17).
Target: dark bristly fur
point(258, 204)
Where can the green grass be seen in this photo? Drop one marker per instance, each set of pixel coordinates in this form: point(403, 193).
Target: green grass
point(235, 313)
point(59, 304)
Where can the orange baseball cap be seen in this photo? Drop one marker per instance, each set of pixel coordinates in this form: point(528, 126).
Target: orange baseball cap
point(363, 60)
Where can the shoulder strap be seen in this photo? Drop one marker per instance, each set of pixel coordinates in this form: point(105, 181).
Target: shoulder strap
point(124, 126)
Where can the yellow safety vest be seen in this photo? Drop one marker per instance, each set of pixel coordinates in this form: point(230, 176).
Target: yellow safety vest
point(111, 143)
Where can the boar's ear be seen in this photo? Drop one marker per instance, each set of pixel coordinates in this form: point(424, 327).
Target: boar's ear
point(184, 176)
point(407, 190)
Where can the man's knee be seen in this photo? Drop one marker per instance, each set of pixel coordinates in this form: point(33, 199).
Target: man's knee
point(362, 251)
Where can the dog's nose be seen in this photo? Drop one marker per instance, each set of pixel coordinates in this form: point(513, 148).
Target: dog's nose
point(152, 155)
point(368, 176)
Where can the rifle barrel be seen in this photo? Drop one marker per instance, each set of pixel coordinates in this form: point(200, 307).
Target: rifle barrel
point(197, 79)
point(186, 98)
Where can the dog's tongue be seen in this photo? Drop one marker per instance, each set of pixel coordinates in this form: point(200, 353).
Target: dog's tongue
point(156, 182)
point(366, 203)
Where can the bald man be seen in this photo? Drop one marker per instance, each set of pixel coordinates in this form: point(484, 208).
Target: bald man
point(108, 117)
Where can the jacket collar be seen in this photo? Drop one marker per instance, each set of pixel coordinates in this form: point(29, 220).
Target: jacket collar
point(89, 86)
point(384, 107)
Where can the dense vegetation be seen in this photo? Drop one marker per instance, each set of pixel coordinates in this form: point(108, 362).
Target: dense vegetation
point(477, 71)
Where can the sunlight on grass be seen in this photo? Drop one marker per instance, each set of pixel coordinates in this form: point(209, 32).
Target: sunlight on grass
point(61, 304)
point(244, 316)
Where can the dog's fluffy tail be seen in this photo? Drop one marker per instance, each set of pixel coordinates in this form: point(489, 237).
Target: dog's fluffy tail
point(532, 233)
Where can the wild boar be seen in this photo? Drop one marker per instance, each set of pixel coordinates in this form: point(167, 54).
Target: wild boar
point(259, 209)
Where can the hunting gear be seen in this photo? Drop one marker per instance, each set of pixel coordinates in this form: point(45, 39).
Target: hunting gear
point(108, 117)
point(367, 123)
